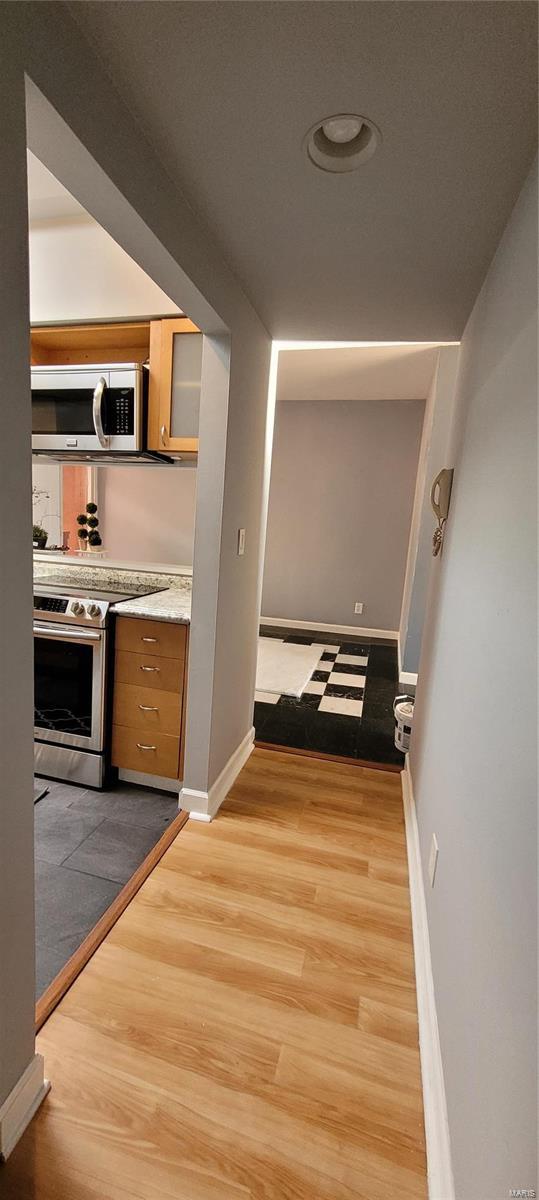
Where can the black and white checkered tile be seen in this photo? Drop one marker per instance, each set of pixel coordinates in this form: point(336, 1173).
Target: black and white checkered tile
point(337, 685)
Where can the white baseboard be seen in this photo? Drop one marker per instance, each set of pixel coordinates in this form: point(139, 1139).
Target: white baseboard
point(407, 679)
point(21, 1104)
point(360, 631)
point(152, 781)
point(439, 1169)
point(202, 806)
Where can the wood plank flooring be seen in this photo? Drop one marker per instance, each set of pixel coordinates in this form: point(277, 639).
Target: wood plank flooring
point(248, 1029)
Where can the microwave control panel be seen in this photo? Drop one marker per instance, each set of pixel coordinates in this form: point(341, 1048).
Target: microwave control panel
point(120, 411)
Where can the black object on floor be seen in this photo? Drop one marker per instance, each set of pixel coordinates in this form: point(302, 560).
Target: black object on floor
point(40, 790)
point(295, 724)
point(87, 846)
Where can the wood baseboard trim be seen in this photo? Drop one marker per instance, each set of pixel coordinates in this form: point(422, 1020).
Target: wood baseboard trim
point(74, 965)
point(352, 762)
point(439, 1167)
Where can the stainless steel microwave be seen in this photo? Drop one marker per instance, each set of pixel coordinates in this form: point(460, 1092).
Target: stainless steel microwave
point(90, 410)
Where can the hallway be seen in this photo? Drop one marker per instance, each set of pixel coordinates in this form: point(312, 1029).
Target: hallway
point(248, 1028)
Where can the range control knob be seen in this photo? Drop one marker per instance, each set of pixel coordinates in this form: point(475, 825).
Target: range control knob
point(77, 608)
point(94, 610)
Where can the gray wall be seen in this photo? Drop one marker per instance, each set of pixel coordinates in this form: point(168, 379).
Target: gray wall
point(88, 138)
point(62, 252)
point(473, 756)
point(16, 649)
point(341, 495)
point(439, 413)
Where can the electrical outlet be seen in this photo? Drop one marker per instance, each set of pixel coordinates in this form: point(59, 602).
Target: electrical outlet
point(241, 541)
point(358, 608)
point(433, 859)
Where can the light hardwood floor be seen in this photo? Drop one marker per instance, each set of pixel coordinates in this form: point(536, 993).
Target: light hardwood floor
point(248, 1029)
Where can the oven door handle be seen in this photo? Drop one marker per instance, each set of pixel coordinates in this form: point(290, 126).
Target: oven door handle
point(67, 634)
point(97, 413)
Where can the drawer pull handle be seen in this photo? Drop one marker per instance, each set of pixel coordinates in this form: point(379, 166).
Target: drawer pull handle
point(140, 746)
point(150, 668)
point(148, 639)
point(148, 708)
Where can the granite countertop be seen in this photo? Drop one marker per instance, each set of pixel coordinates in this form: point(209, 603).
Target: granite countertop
point(174, 604)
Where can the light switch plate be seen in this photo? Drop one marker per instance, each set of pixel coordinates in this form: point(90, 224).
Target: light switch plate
point(358, 607)
point(433, 859)
point(241, 541)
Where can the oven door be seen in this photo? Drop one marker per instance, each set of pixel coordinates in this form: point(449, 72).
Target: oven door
point(69, 685)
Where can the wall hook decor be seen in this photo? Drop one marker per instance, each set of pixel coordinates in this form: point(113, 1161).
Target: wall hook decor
point(440, 495)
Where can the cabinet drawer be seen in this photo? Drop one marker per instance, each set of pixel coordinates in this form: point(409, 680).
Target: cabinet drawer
point(151, 753)
point(161, 638)
point(147, 709)
point(149, 671)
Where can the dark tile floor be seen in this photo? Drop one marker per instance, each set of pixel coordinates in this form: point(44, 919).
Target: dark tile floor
point(297, 725)
point(87, 845)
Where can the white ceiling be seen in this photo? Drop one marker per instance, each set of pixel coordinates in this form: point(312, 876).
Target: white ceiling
point(394, 251)
point(356, 373)
point(47, 198)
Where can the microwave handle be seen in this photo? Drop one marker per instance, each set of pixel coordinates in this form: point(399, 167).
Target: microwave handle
point(97, 413)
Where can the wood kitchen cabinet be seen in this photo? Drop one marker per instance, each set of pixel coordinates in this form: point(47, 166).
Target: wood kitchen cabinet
point(175, 375)
point(76, 345)
point(171, 346)
point(150, 679)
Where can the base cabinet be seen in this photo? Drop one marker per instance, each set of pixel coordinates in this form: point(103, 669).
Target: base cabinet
point(146, 751)
point(148, 704)
point(147, 709)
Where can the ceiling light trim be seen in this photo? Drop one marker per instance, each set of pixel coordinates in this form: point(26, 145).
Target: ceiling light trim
point(332, 345)
point(329, 147)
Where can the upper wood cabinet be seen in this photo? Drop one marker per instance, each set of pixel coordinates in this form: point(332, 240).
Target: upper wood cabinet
point(173, 348)
point(175, 374)
point(76, 345)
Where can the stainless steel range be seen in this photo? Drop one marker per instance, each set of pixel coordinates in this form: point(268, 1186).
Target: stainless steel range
point(72, 632)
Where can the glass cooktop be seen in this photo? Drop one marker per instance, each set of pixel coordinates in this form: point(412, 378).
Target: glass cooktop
point(66, 584)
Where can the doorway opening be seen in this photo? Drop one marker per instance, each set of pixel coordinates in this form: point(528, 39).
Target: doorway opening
point(348, 429)
point(114, 515)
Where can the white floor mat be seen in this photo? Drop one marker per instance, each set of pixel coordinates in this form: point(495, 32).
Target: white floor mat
point(285, 668)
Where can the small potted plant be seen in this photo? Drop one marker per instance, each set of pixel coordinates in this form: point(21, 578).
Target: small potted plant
point(39, 537)
point(87, 532)
point(82, 532)
point(92, 521)
point(39, 534)
point(94, 540)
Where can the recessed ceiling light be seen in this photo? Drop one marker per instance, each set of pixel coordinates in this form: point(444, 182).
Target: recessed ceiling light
point(341, 142)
